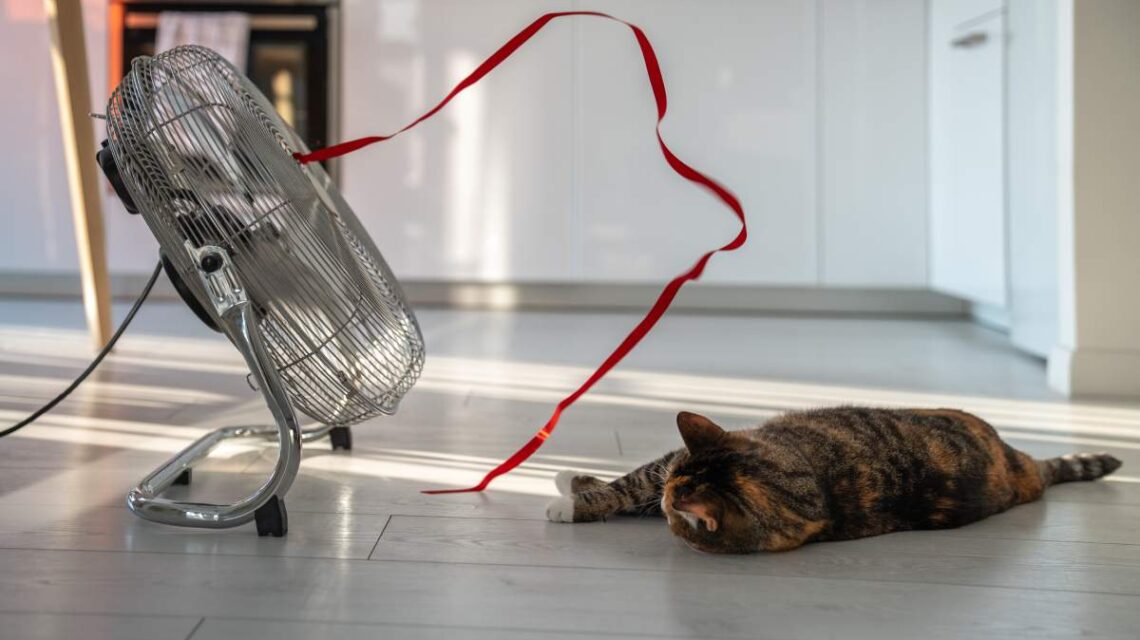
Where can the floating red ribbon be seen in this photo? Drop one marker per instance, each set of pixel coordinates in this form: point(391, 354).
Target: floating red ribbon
point(653, 69)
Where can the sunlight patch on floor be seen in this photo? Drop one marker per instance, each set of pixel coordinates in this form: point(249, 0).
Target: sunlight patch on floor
point(438, 475)
point(1077, 423)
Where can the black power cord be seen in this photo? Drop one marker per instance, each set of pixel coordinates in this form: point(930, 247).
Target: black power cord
point(94, 363)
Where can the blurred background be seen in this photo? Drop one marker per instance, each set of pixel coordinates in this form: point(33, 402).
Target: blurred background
point(942, 198)
point(897, 158)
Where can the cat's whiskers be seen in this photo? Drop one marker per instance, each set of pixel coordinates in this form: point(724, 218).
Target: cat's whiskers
point(644, 507)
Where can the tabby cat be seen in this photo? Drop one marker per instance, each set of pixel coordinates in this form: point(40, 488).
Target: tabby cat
point(826, 474)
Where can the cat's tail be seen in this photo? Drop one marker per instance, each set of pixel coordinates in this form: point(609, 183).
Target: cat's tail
point(1077, 466)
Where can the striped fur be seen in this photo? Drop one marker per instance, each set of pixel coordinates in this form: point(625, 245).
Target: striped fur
point(826, 474)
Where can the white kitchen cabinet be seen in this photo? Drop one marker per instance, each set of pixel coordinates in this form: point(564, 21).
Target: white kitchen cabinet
point(967, 153)
point(1032, 93)
point(482, 191)
point(953, 13)
point(873, 143)
point(742, 107)
point(549, 169)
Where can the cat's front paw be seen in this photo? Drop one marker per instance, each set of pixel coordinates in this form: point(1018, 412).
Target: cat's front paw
point(564, 481)
point(560, 509)
point(570, 482)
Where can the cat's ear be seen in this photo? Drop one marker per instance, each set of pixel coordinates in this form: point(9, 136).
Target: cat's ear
point(699, 432)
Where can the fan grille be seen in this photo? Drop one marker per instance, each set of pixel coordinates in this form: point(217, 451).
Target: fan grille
point(208, 162)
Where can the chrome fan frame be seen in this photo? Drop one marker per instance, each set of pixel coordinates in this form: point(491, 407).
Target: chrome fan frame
point(267, 251)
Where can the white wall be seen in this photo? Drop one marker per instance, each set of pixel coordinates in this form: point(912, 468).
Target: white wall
point(1098, 191)
point(813, 112)
point(38, 235)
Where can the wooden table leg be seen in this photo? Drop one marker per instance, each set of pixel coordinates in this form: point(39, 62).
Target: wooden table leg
point(69, 62)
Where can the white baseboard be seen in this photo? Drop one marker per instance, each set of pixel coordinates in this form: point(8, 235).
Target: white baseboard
point(600, 296)
point(1094, 372)
point(701, 297)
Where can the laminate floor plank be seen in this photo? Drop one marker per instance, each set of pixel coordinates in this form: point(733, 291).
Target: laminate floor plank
point(942, 557)
point(666, 604)
point(53, 626)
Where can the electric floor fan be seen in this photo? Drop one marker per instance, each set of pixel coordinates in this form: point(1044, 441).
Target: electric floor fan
point(265, 250)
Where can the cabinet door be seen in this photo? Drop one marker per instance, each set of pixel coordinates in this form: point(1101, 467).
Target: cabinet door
point(873, 114)
point(967, 190)
point(1031, 129)
point(482, 191)
point(742, 107)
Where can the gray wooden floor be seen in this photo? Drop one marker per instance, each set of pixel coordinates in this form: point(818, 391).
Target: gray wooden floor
point(369, 556)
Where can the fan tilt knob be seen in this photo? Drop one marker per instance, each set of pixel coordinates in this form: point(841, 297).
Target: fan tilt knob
point(211, 262)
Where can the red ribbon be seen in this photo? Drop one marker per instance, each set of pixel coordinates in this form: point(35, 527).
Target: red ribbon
point(653, 69)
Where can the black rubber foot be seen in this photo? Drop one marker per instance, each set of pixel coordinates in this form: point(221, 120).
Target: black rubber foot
point(272, 519)
point(341, 438)
point(183, 478)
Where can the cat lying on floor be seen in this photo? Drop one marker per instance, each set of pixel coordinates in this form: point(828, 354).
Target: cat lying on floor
point(826, 474)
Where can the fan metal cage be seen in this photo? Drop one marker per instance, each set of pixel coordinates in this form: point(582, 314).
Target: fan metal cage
point(209, 163)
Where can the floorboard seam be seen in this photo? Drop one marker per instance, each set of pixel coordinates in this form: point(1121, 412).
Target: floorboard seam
point(614, 569)
point(413, 625)
point(377, 543)
point(762, 575)
point(108, 614)
point(446, 517)
point(196, 627)
point(978, 537)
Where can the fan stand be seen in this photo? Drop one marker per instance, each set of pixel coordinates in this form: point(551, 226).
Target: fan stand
point(265, 505)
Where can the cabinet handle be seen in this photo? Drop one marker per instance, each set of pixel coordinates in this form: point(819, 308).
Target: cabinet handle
point(970, 40)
